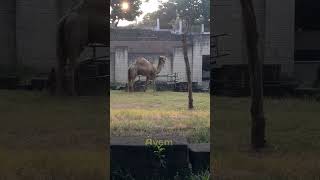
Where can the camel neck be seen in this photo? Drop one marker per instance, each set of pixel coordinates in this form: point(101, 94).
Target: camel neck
point(159, 67)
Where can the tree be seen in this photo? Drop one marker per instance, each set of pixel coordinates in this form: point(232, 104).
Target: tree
point(255, 72)
point(168, 14)
point(124, 10)
point(190, 12)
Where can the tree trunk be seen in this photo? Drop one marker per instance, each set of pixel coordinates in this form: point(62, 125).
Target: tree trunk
point(255, 71)
point(188, 71)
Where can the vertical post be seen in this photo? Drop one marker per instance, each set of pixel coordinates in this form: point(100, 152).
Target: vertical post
point(158, 24)
point(94, 52)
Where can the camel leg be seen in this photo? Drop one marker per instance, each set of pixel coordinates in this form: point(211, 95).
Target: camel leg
point(146, 84)
point(59, 78)
point(73, 79)
point(154, 85)
point(130, 88)
point(132, 85)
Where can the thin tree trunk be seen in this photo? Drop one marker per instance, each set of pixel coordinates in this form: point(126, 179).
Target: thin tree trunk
point(188, 71)
point(255, 71)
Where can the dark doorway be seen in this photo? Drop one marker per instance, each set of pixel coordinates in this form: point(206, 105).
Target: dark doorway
point(307, 15)
point(206, 71)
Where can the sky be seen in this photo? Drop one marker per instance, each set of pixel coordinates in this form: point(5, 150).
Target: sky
point(146, 7)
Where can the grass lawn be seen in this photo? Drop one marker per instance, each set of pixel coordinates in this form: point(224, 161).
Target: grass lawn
point(45, 137)
point(160, 114)
point(293, 135)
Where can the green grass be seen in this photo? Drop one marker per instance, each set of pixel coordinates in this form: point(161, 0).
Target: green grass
point(293, 136)
point(63, 138)
point(45, 137)
point(160, 114)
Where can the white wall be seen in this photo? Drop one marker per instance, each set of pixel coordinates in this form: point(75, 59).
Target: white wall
point(274, 23)
point(201, 46)
point(179, 64)
point(121, 64)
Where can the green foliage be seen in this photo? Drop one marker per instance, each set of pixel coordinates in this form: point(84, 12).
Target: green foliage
point(160, 156)
point(194, 12)
point(166, 14)
point(200, 135)
point(202, 176)
point(117, 13)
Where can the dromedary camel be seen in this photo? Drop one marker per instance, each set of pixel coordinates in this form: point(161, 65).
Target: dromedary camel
point(145, 68)
point(84, 24)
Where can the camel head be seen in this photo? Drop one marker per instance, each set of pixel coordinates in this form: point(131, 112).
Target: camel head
point(162, 61)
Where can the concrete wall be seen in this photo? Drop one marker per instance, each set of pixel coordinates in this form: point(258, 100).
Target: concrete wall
point(153, 49)
point(179, 64)
point(35, 33)
point(280, 34)
point(121, 64)
point(201, 46)
point(28, 32)
point(7, 33)
point(275, 24)
point(112, 67)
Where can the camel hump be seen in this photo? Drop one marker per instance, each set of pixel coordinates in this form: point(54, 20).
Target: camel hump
point(142, 61)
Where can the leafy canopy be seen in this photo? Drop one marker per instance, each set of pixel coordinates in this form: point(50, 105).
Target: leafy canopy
point(119, 13)
point(192, 12)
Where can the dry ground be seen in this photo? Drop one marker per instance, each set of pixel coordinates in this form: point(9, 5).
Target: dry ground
point(45, 137)
point(293, 135)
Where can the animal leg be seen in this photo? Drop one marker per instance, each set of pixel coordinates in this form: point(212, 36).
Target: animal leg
point(73, 79)
point(146, 84)
point(60, 74)
point(130, 88)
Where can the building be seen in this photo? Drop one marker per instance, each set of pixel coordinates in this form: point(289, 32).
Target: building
point(128, 44)
point(290, 30)
point(28, 33)
point(28, 42)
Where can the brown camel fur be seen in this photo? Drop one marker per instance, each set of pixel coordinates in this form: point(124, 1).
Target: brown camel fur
point(145, 68)
point(84, 24)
